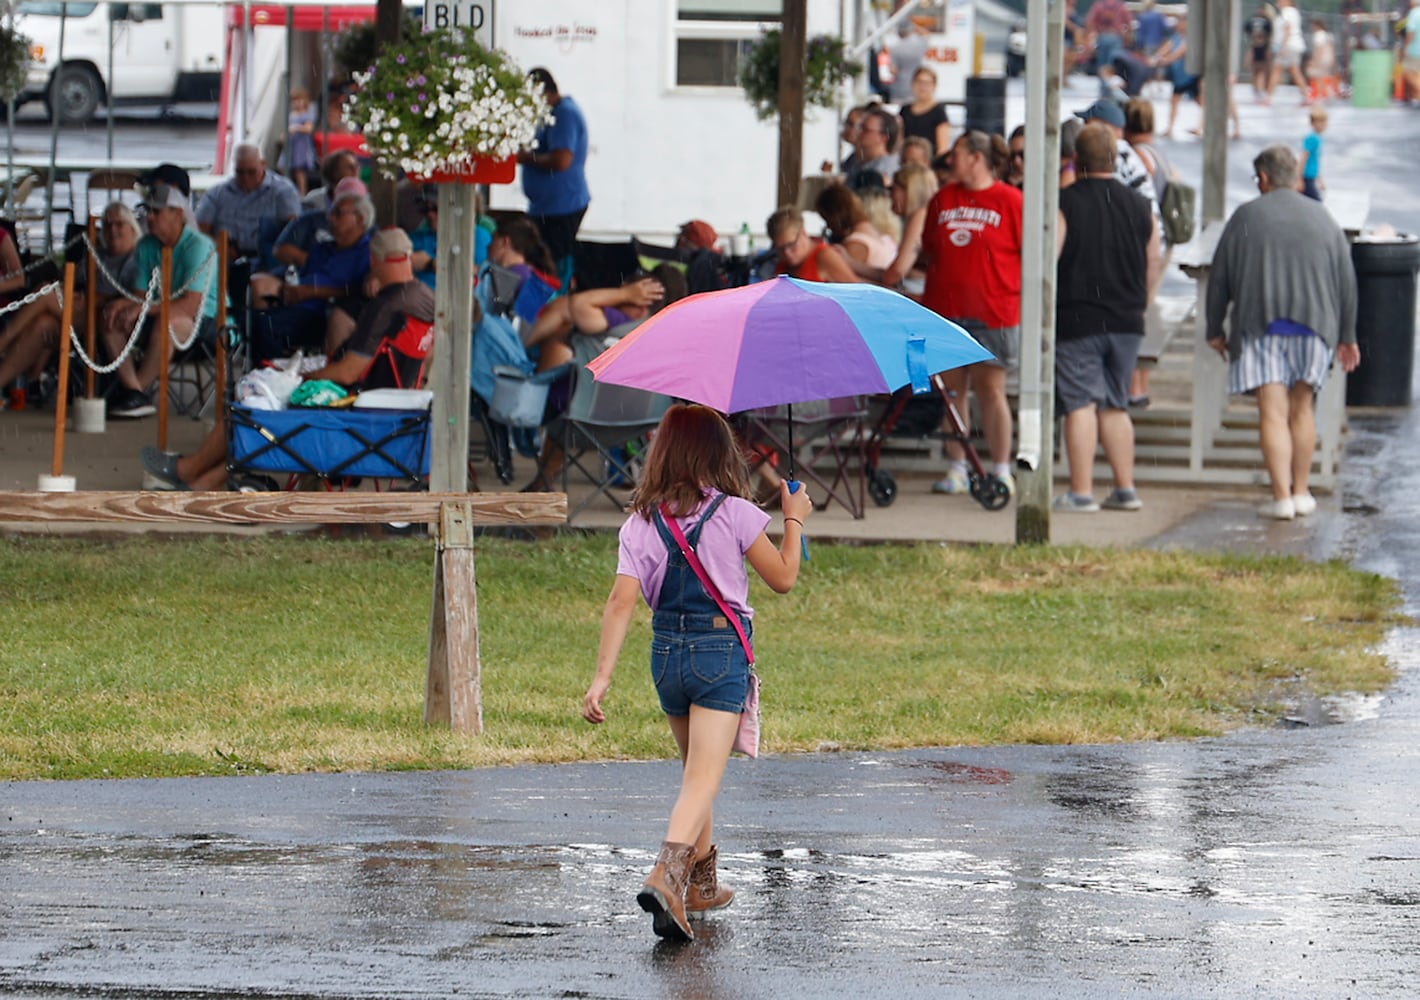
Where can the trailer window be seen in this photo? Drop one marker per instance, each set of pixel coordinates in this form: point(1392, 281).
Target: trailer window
point(44, 8)
point(712, 36)
point(729, 10)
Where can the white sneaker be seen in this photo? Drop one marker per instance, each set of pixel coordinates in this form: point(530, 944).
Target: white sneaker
point(1123, 500)
point(1010, 482)
point(1070, 503)
point(1278, 510)
point(954, 484)
point(1304, 504)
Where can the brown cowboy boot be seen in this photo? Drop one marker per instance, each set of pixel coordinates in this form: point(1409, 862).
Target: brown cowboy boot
point(663, 893)
point(706, 892)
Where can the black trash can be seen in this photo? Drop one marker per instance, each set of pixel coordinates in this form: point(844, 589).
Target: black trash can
point(1385, 320)
point(986, 104)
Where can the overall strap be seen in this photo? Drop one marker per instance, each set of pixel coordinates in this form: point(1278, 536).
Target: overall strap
point(705, 580)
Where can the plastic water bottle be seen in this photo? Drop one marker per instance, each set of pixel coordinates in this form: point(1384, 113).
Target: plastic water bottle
point(293, 276)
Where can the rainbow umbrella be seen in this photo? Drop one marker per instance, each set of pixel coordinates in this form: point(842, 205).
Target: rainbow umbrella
point(787, 341)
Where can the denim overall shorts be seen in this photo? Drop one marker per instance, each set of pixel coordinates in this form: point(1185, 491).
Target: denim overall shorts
point(696, 656)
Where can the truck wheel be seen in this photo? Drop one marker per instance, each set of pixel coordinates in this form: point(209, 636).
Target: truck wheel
point(76, 92)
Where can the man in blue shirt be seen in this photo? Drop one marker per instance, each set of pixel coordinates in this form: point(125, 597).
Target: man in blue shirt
point(554, 172)
point(240, 205)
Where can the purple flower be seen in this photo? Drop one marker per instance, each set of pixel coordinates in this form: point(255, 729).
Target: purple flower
point(424, 97)
point(414, 108)
point(421, 79)
point(399, 59)
point(390, 96)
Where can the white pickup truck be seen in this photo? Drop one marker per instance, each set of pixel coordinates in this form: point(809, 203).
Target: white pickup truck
point(161, 54)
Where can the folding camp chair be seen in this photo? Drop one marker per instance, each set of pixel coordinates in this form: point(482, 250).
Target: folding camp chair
point(112, 184)
point(604, 427)
point(825, 433)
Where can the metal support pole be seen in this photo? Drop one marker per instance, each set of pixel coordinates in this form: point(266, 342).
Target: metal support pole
point(55, 87)
point(1035, 459)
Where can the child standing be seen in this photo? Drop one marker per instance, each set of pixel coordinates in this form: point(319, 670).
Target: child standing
point(301, 139)
point(1321, 65)
point(1311, 183)
point(695, 477)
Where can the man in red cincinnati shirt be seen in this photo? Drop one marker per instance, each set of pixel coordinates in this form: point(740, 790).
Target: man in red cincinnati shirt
point(972, 239)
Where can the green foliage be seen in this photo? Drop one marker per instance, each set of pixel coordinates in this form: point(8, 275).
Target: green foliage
point(122, 658)
point(438, 98)
point(355, 47)
point(14, 62)
point(827, 69)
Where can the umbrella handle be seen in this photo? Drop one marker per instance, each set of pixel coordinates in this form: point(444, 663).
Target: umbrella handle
point(794, 487)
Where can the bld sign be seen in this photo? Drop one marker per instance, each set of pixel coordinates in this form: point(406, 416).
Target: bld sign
point(471, 15)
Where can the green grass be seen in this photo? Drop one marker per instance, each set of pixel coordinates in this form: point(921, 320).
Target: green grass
point(223, 655)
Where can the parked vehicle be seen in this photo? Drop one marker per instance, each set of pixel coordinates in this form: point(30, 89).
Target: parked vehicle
point(160, 54)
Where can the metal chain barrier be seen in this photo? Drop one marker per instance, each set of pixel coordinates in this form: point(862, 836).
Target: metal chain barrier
point(128, 348)
point(200, 273)
point(42, 260)
point(34, 296)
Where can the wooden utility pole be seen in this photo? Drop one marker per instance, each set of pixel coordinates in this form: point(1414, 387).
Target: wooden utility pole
point(389, 22)
point(1217, 93)
point(793, 59)
point(1035, 456)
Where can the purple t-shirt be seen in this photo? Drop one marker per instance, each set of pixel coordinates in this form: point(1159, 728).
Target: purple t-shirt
point(723, 543)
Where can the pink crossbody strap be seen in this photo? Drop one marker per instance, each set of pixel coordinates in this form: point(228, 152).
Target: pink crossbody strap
point(705, 580)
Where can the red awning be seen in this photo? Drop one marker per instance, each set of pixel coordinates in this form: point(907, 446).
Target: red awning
point(305, 18)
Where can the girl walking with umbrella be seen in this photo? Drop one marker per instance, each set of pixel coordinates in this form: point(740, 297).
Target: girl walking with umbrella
point(683, 549)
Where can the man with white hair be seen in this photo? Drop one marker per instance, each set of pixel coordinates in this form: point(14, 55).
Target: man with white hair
point(1281, 308)
point(239, 205)
point(319, 312)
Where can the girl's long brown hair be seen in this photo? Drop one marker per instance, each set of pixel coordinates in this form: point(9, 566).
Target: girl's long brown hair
point(694, 450)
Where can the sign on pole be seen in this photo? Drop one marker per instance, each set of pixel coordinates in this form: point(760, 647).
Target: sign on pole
point(471, 15)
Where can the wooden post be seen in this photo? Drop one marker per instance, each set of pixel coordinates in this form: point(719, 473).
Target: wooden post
point(91, 310)
point(1035, 464)
point(453, 340)
point(61, 406)
point(454, 694)
point(793, 58)
point(165, 348)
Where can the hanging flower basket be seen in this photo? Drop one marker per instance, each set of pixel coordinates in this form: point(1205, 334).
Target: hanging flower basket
point(827, 68)
point(439, 105)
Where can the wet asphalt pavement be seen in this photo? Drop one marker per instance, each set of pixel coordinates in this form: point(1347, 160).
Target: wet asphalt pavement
point(1276, 863)
point(1273, 863)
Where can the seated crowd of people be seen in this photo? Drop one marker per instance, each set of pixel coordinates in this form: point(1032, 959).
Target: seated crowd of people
point(911, 206)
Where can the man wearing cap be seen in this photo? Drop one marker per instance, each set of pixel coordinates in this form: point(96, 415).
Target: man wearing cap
point(193, 311)
point(1128, 169)
point(253, 194)
point(554, 171)
point(320, 311)
point(399, 298)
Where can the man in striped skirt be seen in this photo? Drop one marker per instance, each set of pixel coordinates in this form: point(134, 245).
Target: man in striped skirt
point(1282, 279)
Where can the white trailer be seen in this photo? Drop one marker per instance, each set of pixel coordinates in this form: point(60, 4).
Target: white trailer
point(120, 53)
point(672, 136)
